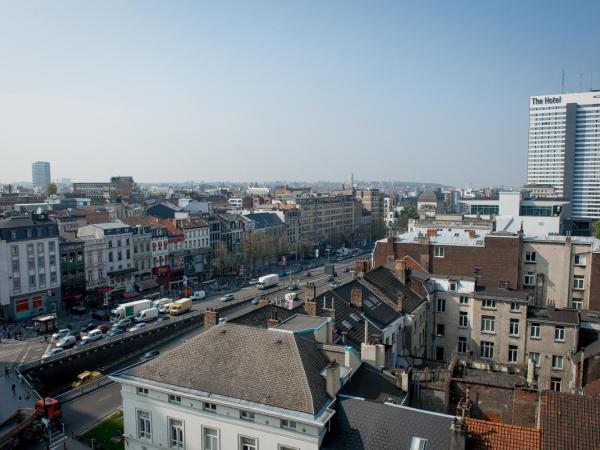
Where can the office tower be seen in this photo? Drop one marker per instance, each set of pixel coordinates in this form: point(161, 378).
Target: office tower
point(40, 171)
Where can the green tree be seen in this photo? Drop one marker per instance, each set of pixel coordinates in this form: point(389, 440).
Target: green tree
point(378, 229)
point(597, 227)
point(409, 211)
point(52, 189)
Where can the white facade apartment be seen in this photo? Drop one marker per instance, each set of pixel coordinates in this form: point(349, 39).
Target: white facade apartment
point(564, 148)
point(30, 275)
point(95, 256)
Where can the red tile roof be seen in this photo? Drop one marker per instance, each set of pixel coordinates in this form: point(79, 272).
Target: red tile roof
point(569, 422)
point(486, 435)
point(412, 264)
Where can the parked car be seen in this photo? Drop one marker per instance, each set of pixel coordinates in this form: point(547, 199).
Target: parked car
point(330, 278)
point(293, 286)
point(85, 377)
point(255, 300)
point(61, 334)
point(101, 315)
point(222, 319)
point(93, 335)
point(253, 281)
point(149, 355)
point(137, 327)
point(346, 269)
point(162, 319)
point(307, 274)
point(115, 331)
point(67, 341)
point(52, 352)
point(83, 343)
point(227, 297)
point(89, 326)
point(198, 295)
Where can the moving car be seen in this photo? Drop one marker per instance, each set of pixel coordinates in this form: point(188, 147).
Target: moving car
point(198, 295)
point(52, 352)
point(61, 334)
point(307, 274)
point(116, 331)
point(149, 355)
point(89, 326)
point(93, 335)
point(123, 324)
point(293, 286)
point(346, 269)
point(137, 327)
point(222, 319)
point(104, 327)
point(85, 377)
point(253, 281)
point(255, 300)
point(67, 341)
point(227, 297)
point(163, 309)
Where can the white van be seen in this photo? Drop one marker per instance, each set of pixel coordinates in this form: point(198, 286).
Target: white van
point(146, 315)
point(161, 301)
point(198, 295)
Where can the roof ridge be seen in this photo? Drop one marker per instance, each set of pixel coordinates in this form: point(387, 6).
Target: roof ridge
point(298, 356)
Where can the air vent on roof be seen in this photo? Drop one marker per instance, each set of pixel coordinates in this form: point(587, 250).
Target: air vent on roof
point(355, 317)
point(346, 324)
point(418, 443)
point(369, 303)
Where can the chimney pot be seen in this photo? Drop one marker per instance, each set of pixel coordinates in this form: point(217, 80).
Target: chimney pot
point(356, 297)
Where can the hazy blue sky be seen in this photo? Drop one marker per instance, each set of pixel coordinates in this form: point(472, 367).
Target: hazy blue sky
point(299, 90)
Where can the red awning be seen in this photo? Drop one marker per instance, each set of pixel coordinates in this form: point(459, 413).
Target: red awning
point(72, 298)
point(104, 290)
point(131, 294)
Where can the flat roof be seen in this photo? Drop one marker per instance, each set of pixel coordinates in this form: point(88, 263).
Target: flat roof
point(301, 322)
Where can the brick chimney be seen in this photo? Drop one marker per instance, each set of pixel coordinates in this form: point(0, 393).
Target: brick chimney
point(273, 321)
point(310, 292)
point(332, 378)
point(361, 267)
point(400, 303)
point(400, 270)
point(263, 302)
point(356, 297)
point(472, 234)
point(310, 306)
point(211, 318)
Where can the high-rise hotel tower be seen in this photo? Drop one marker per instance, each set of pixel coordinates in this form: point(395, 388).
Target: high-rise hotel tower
point(564, 148)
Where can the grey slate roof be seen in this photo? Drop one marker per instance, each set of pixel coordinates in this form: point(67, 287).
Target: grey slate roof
point(259, 317)
point(264, 220)
point(564, 316)
point(247, 363)
point(367, 425)
point(385, 280)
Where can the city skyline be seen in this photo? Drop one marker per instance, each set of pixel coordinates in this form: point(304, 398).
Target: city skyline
point(314, 92)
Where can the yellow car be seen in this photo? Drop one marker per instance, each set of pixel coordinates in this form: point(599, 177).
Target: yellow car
point(86, 377)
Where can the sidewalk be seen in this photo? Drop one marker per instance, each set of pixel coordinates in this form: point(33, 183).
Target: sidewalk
point(10, 402)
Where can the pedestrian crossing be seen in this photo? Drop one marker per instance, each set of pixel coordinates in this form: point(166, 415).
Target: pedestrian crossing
point(13, 354)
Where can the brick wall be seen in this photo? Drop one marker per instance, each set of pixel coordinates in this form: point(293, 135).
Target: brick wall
point(498, 260)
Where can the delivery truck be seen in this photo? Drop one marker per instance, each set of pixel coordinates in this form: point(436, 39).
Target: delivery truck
point(146, 315)
point(26, 423)
point(129, 310)
point(180, 306)
point(267, 281)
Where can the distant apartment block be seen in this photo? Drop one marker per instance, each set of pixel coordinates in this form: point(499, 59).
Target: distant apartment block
point(40, 174)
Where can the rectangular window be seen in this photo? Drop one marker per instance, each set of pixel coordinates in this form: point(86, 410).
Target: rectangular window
point(441, 305)
point(52, 259)
point(248, 443)
point(578, 282)
point(580, 260)
point(175, 433)
point(535, 330)
point(513, 353)
point(486, 350)
point(488, 304)
point(286, 447)
point(559, 333)
point(438, 252)
point(42, 280)
point(52, 278)
point(246, 415)
point(30, 249)
point(488, 324)
point(51, 247)
point(210, 438)
point(210, 407)
point(463, 300)
point(577, 303)
point(289, 424)
point(535, 357)
point(514, 307)
point(15, 265)
point(530, 279)
point(555, 384)
point(557, 362)
point(463, 319)
point(462, 345)
point(142, 391)
point(175, 399)
point(530, 257)
point(513, 329)
point(440, 329)
point(14, 251)
point(32, 282)
point(40, 248)
point(144, 425)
